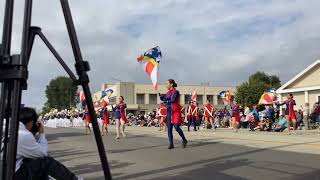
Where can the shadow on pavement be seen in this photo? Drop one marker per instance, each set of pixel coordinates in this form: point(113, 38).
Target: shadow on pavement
point(203, 162)
point(55, 136)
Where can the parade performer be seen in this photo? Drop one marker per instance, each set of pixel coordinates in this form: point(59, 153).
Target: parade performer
point(106, 120)
point(192, 112)
point(235, 115)
point(183, 114)
point(120, 116)
point(174, 119)
point(87, 120)
point(289, 112)
point(198, 117)
point(162, 115)
point(208, 114)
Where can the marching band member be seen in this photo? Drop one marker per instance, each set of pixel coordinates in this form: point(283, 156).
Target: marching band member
point(289, 112)
point(208, 114)
point(120, 116)
point(87, 119)
point(106, 120)
point(183, 113)
point(192, 112)
point(235, 115)
point(163, 115)
point(198, 117)
point(173, 112)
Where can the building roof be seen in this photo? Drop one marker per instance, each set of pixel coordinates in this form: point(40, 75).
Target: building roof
point(285, 88)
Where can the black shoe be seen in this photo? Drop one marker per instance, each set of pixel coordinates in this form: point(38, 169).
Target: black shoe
point(170, 147)
point(184, 144)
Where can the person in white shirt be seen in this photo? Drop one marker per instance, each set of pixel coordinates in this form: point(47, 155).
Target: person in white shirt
point(33, 162)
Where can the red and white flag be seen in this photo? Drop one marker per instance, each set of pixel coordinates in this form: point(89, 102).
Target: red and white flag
point(194, 96)
point(82, 96)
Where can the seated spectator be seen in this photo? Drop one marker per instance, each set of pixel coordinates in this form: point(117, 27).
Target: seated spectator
point(32, 160)
point(281, 125)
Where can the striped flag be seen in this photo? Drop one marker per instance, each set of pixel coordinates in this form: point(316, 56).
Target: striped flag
point(194, 95)
point(228, 96)
point(267, 98)
point(150, 61)
point(81, 96)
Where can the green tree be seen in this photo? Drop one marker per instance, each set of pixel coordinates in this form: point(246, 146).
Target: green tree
point(272, 80)
point(60, 93)
point(249, 92)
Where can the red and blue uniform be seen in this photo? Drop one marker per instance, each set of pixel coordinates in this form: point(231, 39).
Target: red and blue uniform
point(174, 119)
point(236, 112)
point(290, 109)
point(87, 116)
point(192, 112)
point(120, 112)
point(105, 116)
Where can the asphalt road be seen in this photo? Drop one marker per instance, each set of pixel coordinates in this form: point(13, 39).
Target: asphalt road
point(147, 157)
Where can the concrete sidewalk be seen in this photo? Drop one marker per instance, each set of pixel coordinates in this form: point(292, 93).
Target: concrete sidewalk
point(300, 141)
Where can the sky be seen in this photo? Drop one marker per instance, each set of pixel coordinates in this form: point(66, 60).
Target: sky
point(220, 42)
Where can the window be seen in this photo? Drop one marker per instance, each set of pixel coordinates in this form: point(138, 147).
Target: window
point(210, 97)
point(140, 99)
point(200, 99)
point(220, 100)
point(187, 98)
point(152, 99)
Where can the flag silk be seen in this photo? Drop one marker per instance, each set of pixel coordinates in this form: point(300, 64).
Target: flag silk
point(150, 61)
point(103, 94)
point(267, 98)
point(194, 95)
point(228, 96)
point(81, 96)
point(109, 92)
point(222, 94)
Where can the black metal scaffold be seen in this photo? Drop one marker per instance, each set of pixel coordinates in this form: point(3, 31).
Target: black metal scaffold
point(14, 76)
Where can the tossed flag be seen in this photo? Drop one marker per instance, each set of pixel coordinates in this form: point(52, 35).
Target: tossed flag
point(228, 96)
point(105, 95)
point(194, 96)
point(81, 96)
point(267, 98)
point(271, 90)
point(222, 94)
point(150, 61)
point(109, 92)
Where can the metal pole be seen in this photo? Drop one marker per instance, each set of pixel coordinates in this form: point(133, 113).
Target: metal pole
point(37, 30)
point(16, 99)
point(5, 93)
point(84, 80)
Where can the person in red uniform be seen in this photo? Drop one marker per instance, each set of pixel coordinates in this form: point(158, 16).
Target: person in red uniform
point(106, 120)
point(198, 117)
point(162, 115)
point(289, 112)
point(87, 120)
point(183, 115)
point(120, 116)
point(173, 112)
point(208, 114)
point(235, 115)
point(192, 112)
